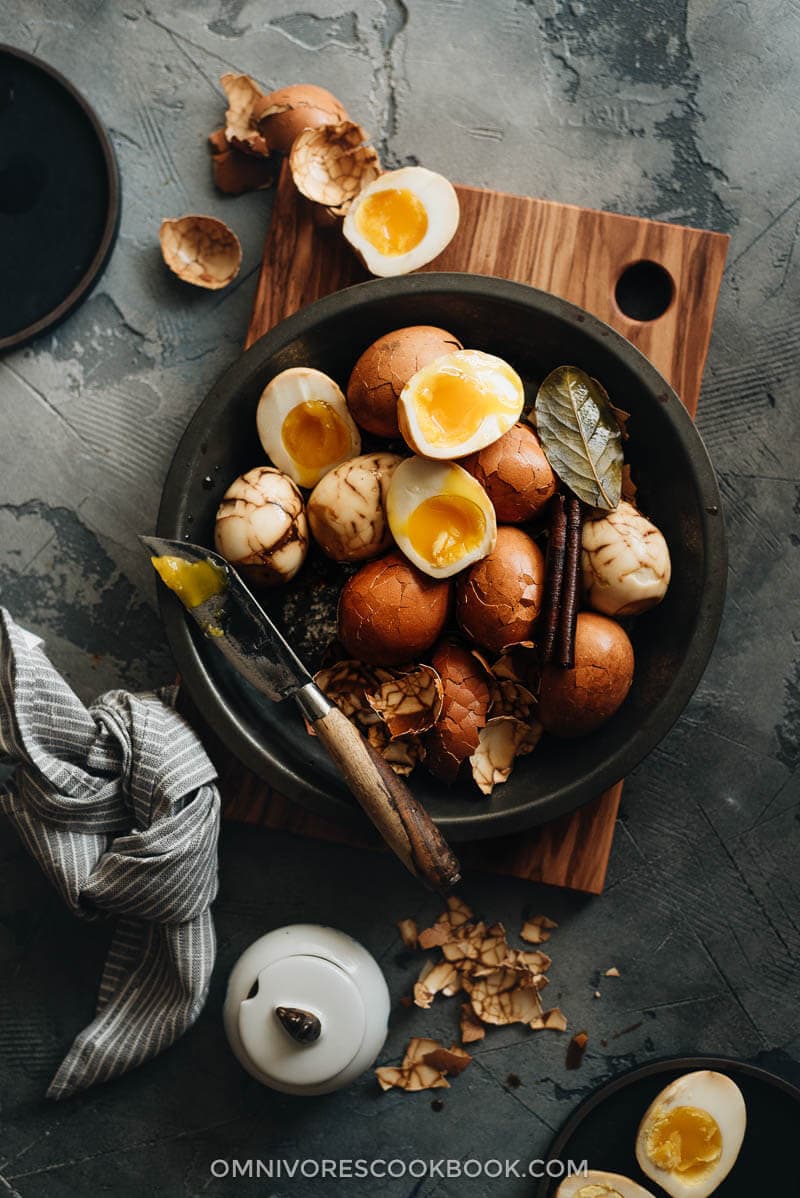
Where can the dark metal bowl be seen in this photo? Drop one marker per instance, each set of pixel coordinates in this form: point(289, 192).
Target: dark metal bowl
point(535, 332)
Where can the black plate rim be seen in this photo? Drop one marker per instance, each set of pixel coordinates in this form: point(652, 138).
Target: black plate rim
point(483, 823)
point(638, 1073)
point(110, 228)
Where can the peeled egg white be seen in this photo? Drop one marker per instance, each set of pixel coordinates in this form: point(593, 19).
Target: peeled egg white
point(440, 516)
point(402, 220)
point(459, 404)
point(596, 1183)
point(704, 1091)
point(304, 424)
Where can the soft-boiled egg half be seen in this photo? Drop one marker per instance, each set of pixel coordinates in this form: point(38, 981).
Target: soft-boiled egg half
point(402, 220)
point(459, 404)
point(596, 1183)
point(691, 1134)
point(440, 516)
point(304, 424)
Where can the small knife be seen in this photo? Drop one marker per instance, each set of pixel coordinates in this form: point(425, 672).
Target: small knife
point(228, 613)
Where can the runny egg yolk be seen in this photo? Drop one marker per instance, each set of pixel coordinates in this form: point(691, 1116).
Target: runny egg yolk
point(452, 406)
point(314, 435)
point(393, 221)
point(444, 528)
point(685, 1140)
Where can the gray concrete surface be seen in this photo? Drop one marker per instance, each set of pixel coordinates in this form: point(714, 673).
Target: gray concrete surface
point(682, 111)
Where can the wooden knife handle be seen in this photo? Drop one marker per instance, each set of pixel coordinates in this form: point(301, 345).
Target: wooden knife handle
point(402, 822)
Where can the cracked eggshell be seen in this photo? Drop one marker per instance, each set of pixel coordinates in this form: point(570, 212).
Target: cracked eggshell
point(402, 220)
point(304, 424)
point(383, 370)
point(465, 701)
point(499, 599)
point(330, 165)
point(625, 562)
point(390, 613)
point(515, 474)
point(575, 702)
point(243, 94)
point(346, 509)
point(501, 741)
point(285, 113)
point(201, 250)
point(235, 172)
point(261, 526)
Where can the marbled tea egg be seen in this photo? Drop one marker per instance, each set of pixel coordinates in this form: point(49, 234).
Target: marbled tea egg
point(261, 526)
point(346, 508)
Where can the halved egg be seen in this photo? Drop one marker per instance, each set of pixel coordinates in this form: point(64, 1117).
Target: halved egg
point(440, 516)
point(460, 403)
point(690, 1136)
point(596, 1183)
point(402, 220)
point(304, 424)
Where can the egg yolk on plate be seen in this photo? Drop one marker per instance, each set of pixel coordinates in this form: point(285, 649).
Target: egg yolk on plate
point(685, 1140)
point(444, 528)
point(393, 220)
point(313, 434)
point(452, 406)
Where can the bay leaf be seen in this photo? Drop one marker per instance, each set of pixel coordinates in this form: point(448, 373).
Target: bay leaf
point(581, 436)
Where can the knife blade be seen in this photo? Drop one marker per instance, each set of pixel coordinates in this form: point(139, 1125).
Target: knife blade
point(224, 608)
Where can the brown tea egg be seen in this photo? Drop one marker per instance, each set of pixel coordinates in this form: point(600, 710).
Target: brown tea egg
point(391, 613)
point(346, 509)
point(515, 474)
point(383, 370)
point(498, 599)
point(261, 527)
point(465, 702)
point(575, 702)
point(284, 113)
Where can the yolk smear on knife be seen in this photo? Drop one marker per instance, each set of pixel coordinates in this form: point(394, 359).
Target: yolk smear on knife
point(452, 406)
point(192, 582)
point(393, 221)
point(314, 435)
point(685, 1140)
point(444, 528)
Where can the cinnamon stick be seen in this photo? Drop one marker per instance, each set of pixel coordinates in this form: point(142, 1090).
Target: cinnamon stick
point(570, 588)
point(554, 577)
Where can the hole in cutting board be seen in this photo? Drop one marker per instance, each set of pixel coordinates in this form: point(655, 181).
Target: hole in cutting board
point(644, 291)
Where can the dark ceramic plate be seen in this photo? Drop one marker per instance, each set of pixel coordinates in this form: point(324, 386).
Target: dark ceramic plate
point(59, 197)
point(602, 1131)
point(535, 332)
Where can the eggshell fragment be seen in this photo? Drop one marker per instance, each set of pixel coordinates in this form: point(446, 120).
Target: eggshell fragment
point(235, 172)
point(515, 474)
point(411, 701)
point(383, 370)
point(346, 684)
point(243, 94)
point(408, 932)
point(471, 1027)
point(500, 742)
point(498, 600)
point(201, 250)
point(537, 930)
point(261, 526)
point(285, 113)
point(465, 700)
point(576, 702)
point(346, 509)
point(391, 613)
point(332, 163)
point(414, 1073)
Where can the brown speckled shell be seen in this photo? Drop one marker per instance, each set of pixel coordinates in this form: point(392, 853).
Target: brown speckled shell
point(515, 474)
point(391, 613)
point(576, 702)
point(383, 370)
point(284, 113)
point(464, 706)
point(499, 598)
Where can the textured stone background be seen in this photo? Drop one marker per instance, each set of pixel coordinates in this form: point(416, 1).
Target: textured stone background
point(681, 111)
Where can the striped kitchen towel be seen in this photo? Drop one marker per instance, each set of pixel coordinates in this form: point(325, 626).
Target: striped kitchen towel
point(118, 805)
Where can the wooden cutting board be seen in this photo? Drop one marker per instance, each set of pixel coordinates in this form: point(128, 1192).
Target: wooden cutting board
point(579, 254)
